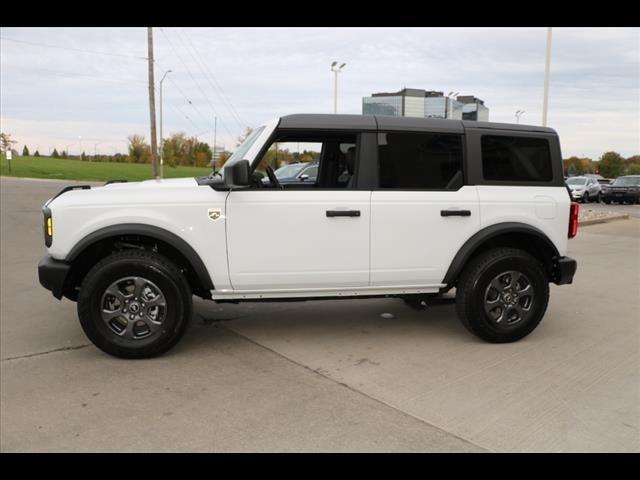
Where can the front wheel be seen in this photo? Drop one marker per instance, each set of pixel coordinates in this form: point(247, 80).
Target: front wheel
point(502, 295)
point(585, 198)
point(134, 304)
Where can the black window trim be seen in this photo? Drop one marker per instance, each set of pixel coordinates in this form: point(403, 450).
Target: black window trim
point(474, 158)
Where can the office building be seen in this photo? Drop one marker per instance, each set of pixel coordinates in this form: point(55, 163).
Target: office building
point(414, 102)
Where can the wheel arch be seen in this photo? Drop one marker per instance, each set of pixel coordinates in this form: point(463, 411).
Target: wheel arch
point(104, 241)
point(507, 234)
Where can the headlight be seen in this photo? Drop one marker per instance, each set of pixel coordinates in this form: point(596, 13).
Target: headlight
point(47, 226)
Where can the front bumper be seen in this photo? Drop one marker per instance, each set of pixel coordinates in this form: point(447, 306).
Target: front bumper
point(564, 268)
point(621, 196)
point(577, 194)
point(52, 274)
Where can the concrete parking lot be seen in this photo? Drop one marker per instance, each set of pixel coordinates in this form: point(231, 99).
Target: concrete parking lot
point(325, 375)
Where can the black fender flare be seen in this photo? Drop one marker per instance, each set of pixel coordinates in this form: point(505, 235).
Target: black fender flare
point(148, 231)
point(487, 233)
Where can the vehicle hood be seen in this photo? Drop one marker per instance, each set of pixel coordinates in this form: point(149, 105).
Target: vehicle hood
point(144, 192)
point(159, 183)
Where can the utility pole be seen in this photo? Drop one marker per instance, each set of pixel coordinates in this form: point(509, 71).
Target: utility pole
point(547, 68)
point(215, 132)
point(152, 107)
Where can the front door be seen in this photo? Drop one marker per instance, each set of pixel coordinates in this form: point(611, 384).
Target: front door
point(311, 235)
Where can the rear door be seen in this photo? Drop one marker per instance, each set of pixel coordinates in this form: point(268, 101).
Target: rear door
point(421, 212)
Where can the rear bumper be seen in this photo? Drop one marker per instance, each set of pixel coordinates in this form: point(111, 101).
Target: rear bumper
point(52, 274)
point(564, 268)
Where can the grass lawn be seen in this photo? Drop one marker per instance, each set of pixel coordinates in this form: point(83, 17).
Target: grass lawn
point(58, 168)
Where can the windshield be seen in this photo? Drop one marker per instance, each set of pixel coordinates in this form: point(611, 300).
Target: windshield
point(289, 170)
point(244, 147)
point(626, 182)
point(577, 181)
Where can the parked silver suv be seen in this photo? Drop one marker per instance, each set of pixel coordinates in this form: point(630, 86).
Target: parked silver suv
point(584, 189)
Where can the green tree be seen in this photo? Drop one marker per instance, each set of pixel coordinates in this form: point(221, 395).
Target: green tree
point(6, 142)
point(139, 149)
point(55, 153)
point(36, 153)
point(578, 166)
point(611, 164)
point(633, 169)
point(25, 151)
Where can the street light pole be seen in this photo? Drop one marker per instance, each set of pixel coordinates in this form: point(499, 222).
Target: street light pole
point(161, 137)
point(336, 70)
point(518, 114)
point(547, 68)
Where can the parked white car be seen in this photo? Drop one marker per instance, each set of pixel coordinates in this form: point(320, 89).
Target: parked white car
point(402, 207)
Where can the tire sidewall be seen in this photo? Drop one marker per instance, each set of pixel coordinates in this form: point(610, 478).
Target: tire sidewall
point(89, 306)
point(475, 308)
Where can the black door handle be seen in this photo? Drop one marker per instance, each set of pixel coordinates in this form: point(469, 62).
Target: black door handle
point(343, 213)
point(455, 213)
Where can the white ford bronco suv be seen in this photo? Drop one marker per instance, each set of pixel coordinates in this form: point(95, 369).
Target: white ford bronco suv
point(406, 207)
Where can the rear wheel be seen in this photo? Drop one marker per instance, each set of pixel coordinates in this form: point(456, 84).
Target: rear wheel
point(134, 304)
point(502, 295)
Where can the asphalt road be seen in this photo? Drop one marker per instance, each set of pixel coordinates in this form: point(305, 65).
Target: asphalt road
point(325, 375)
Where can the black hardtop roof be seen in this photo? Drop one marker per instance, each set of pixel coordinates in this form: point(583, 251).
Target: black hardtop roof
point(387, 122)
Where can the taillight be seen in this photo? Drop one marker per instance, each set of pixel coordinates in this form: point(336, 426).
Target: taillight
point(573, 219)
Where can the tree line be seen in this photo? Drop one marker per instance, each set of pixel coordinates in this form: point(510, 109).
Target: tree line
point(178, 150)
point(181, 150)
point(609, 165)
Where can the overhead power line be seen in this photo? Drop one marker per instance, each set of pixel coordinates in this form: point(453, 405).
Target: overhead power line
point(210, 76)
point(195, 81)
point(73, 49)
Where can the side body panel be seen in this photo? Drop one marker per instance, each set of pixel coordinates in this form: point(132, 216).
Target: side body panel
point(178, 206)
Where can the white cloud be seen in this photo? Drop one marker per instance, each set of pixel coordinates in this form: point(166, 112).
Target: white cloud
point(265, 72)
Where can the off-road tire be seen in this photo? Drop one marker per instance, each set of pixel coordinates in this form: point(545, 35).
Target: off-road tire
point(157, 269)
point(474, 281)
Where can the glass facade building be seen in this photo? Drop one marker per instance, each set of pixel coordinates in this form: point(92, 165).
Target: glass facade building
point(413, 102)
point(382, 106)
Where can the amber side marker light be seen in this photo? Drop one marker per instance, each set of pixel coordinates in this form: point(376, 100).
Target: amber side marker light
point(573, 219)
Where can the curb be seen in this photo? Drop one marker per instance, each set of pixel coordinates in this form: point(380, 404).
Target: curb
point(603, 220)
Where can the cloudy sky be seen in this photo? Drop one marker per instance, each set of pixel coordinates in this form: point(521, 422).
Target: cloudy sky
point(63, 86)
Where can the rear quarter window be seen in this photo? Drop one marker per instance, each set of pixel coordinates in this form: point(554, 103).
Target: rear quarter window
point(516, 159)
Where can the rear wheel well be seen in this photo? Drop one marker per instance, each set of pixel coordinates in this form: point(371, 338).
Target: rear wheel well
point(535, 245)
point(102, 248)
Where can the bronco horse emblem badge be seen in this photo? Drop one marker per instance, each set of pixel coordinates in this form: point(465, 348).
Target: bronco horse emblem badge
point(214, 213)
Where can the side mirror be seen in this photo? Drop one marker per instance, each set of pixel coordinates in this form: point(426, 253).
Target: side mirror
point(237, 175)
point(303, 177)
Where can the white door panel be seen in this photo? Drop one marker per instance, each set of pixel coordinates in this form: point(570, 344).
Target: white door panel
point(283, 239)
point(411, 242)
